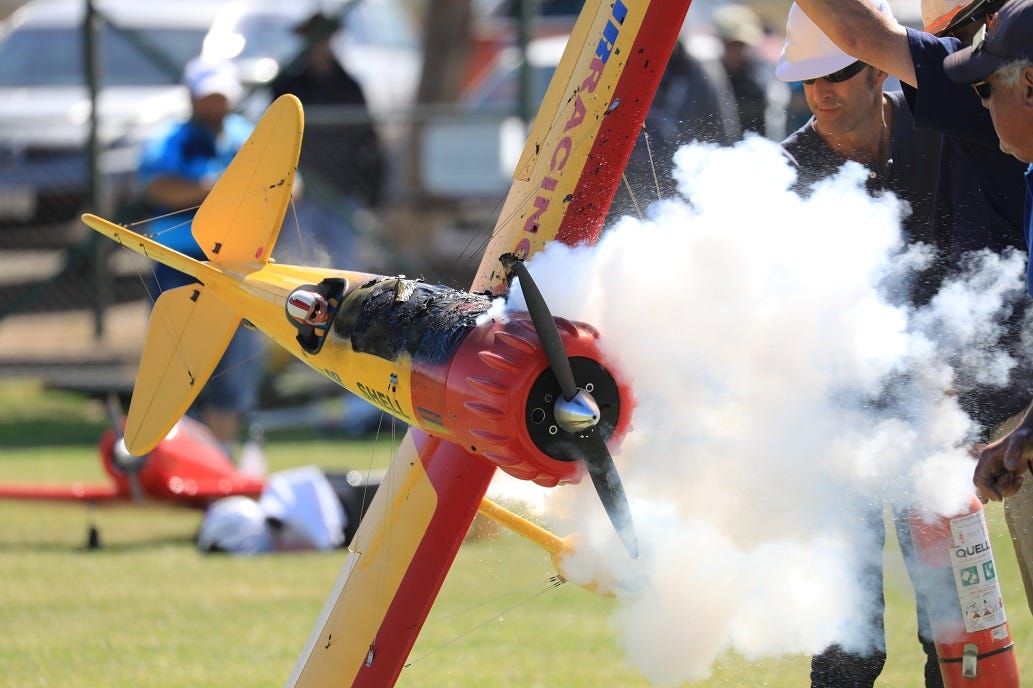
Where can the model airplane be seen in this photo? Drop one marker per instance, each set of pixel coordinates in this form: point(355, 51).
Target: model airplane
point(186, 468)
point(533, 396)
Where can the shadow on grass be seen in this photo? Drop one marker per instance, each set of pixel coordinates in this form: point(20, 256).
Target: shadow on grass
point(141, 544)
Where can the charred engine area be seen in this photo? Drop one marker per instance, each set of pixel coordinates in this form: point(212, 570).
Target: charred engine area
point(388, 316)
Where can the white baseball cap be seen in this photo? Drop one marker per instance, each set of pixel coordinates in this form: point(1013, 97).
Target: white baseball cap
point(205, 76)
point(808, 53)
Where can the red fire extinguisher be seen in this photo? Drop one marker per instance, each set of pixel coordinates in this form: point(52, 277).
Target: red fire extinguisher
point(957, 579)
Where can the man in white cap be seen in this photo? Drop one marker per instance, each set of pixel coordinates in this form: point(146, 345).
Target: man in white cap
point(853, 119)
point(177, 169)
point(980, 190)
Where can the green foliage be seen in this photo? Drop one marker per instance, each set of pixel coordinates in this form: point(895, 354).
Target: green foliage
point(33, 417)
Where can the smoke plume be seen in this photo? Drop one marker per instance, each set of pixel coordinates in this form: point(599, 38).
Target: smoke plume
point(785, 391)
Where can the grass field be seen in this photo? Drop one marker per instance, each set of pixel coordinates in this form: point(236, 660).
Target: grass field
point(148, 610)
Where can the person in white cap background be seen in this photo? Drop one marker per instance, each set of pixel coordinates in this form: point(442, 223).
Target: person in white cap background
point(854, 120)
point(980, 190)
point(177, 169)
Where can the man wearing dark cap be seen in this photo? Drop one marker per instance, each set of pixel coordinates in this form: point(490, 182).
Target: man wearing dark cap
point(1000, 69)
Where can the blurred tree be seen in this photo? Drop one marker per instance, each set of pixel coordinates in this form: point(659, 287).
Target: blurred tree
point(446, 49)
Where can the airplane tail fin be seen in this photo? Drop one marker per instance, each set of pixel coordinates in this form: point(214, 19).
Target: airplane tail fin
point(237, 225)
point(240, 219)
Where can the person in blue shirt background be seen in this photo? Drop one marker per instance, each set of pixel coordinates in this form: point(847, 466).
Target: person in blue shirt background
point(178, 167)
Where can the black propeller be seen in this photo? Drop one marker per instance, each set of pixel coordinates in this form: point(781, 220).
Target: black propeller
point(577, 413)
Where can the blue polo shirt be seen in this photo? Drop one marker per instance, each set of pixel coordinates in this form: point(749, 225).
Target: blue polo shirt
point(191, 151)
point(979, 194)
point(194, 152)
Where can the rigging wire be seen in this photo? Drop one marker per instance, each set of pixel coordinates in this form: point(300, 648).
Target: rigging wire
point(656, 178)
point(553, 583)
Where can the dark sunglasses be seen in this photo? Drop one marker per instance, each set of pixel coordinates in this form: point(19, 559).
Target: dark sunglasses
point(982, 89)
point(842, 75)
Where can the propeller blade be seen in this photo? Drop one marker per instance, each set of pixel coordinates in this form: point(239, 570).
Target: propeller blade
point(548, 333)
point(115, 415)
point(609, 487)
point(122, 459)
point(580, 413)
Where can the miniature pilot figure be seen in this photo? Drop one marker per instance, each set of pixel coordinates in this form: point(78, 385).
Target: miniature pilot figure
point(308, 307)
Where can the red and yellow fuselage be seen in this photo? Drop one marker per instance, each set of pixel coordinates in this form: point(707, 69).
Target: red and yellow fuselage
point(470, 388)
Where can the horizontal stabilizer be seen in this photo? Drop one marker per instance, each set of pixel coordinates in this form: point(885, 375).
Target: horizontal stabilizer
point(241, 217)
point(189, 331)
point(146, 246)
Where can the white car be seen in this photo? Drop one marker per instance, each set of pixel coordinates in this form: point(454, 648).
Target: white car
point(45, 101)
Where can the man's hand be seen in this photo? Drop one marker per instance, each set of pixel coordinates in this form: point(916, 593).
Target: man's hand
point(1001, 463)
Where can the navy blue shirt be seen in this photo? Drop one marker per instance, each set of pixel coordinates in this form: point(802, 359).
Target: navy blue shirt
point(979, 195)
point(981, 202)
point(912, 155)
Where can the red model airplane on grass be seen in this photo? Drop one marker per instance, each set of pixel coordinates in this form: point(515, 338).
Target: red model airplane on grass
point(186, 468)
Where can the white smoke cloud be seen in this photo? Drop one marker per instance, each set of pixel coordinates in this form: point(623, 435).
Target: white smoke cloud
point(784, 390)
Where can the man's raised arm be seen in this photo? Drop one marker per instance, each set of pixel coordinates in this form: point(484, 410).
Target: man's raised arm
point(862, 31)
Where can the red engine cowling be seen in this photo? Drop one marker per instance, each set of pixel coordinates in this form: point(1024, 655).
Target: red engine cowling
point(495, 396)
point(958, 580)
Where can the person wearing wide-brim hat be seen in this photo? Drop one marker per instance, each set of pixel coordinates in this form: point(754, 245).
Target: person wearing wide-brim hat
point(342, 161)
point(318, 26)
